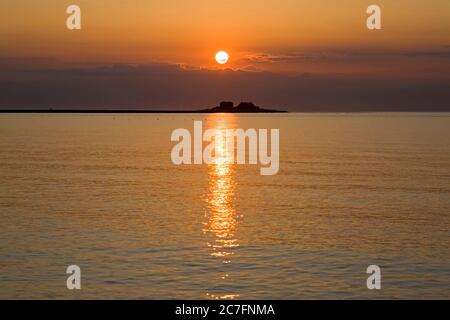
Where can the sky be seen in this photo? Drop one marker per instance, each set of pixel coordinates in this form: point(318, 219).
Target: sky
point(301, 55)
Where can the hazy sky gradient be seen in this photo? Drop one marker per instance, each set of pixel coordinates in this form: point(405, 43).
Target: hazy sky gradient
point(289, 38)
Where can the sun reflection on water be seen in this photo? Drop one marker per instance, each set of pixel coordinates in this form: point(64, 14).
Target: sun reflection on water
point(221, 217)
point(222, 214)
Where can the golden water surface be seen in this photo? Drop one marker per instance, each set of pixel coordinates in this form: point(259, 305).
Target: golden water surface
point(101, 192)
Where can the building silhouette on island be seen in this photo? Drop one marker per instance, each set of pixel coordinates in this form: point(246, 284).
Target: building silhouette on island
point(243, 107)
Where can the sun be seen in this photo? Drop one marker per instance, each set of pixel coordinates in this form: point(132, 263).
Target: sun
point(222, 57)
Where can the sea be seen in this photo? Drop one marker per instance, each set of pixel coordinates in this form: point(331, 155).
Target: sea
point(101, 192)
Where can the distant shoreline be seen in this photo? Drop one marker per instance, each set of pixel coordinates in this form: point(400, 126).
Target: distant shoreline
point(123, 111)
point(128, 111)
point(92, 111)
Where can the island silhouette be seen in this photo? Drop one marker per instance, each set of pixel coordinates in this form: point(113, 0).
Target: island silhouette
point(243, 107)
point(223, 107)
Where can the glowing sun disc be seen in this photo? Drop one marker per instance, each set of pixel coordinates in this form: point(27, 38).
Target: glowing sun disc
point(222, 57)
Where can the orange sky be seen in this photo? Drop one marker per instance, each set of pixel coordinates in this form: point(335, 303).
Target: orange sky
point(304, 55)
point(191, 31)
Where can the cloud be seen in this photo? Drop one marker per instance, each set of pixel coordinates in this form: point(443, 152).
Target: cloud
point(442, 54)
point(166, 86)
point(342, 55)
point(259, 57)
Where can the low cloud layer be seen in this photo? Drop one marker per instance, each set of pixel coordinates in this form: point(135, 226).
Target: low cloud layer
point(164, 86)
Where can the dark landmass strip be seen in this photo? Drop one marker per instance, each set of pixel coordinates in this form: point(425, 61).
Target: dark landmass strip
point(224, 107)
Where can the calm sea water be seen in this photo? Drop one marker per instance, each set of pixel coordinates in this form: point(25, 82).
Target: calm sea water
point(101, 192)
